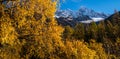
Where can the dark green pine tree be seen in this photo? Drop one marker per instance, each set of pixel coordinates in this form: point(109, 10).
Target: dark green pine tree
point(93, 30)
point(68, 32)
point(116, 18)
point(79, 32)
point(101, 32)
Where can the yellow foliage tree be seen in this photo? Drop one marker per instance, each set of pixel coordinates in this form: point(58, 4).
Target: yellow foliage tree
point(100, 52)
point(28, 30)
point(32, 21)
point(78, 50)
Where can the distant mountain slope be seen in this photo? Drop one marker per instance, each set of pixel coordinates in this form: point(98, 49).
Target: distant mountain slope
point(65, 21)
point(114, 16)
point(83, 15)
point(91, 13)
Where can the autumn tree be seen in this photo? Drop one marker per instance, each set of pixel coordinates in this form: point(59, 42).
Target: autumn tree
point(9, 43)
point(78, 50)
point(32, 21)
point(98, 47)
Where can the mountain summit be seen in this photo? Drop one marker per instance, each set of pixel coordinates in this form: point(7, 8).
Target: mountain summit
point(91, 13)
point(83, 15)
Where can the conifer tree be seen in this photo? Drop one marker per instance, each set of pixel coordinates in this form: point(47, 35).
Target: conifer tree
point(101, 32)
point(93, 30)
point(79, 31)
point(68, 32)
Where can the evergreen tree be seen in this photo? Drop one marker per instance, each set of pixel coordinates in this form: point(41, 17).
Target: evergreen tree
point(101, 32)
point(79, 31)
point(111, 31)
point(68, 32)
point(94, 29)
point(116, 18)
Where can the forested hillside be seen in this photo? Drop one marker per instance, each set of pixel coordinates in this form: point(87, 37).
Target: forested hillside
point(28, 30)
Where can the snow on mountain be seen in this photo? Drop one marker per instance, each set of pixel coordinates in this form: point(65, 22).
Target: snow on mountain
point(65, 13)
point(97, 19)
point(93, 20)
point(83, 15)
point(91, 13)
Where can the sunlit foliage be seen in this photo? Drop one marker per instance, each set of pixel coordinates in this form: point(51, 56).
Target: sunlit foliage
point(28, 30)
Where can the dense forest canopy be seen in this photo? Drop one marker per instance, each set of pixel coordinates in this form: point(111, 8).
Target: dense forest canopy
point(28, 30)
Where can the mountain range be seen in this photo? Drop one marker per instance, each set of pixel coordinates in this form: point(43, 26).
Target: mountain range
point(83, 15)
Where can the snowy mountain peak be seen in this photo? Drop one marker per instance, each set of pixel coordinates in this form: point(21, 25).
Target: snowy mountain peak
point(65, 13)
point(83, 11)
point(91, 13)
point(83, 15)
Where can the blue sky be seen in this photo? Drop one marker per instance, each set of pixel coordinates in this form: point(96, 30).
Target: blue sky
point(106, 6)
